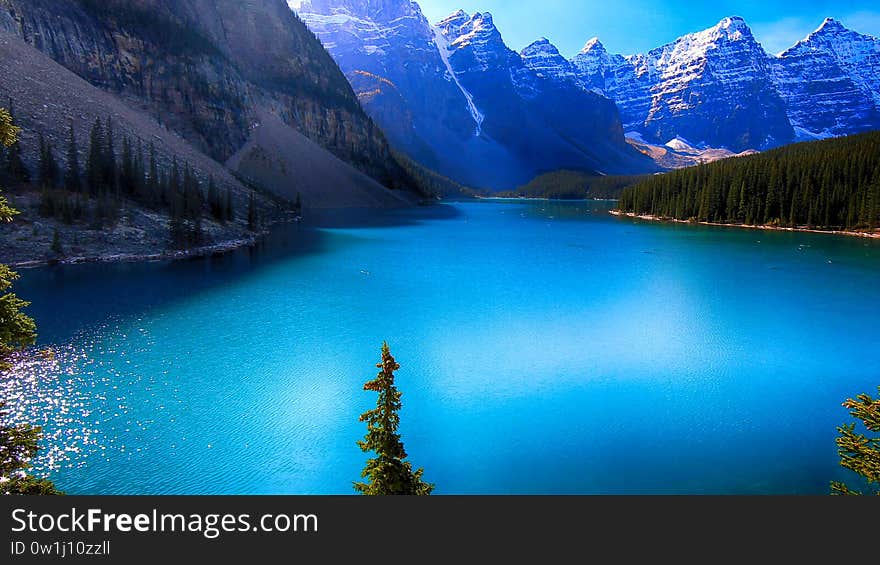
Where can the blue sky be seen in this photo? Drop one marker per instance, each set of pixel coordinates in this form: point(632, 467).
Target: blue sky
point(632, 26)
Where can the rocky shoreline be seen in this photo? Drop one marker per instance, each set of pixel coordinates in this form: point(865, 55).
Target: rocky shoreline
point(867, 235)
point(204, 251)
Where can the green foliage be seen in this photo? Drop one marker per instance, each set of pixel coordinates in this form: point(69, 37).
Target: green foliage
point(388, 473)
point(14, 170)
point(574, 185)
point(8, 130)
point(17, 330)
point(18, 445)
point(830, 185)
point(428, 183)
point(858, 452)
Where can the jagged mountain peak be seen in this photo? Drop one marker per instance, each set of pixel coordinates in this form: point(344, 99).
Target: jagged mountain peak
point(732, 28)
point(544, 59)
point(593, 45)
point(477, 31)
point(540, 45)
point(830, 25)
point(380, 10)
point(827, 36)
point(454, 20)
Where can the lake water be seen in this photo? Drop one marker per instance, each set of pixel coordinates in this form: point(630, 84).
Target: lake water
point(545, 348)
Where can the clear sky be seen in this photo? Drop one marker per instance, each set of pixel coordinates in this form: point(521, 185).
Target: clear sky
point(633, 26)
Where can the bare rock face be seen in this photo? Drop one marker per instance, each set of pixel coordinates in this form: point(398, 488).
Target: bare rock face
point(831, 82)
point(205, 68)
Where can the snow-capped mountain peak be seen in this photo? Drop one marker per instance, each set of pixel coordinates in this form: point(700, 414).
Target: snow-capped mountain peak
point(593, 45)
point(831, 25)
point(462, 30)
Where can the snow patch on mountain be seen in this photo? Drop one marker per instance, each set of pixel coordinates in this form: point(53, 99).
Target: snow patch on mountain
point(444, 49)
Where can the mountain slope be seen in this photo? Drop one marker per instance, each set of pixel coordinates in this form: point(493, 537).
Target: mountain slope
point(208, 69)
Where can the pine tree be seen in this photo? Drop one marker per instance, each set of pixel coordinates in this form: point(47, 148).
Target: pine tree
point(860, 453)
point(18, 444)
point(48, 167)
point(215, 203)
point(154, 191)
point(109, 160)
point(388, 473)
point(253, 220)
point(56, 243)
point(72, 182)
point(126, 169)
point(229, 213)
point(95, 160)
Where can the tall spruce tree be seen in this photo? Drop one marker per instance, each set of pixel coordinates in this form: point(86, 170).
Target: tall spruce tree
point(154, 183)
point(72, 181)
point(228, 212)
point(858, 452)
point(253, 220)
point(48, 166)
point(95, 159)
point(388, 473)
point(18, 443)
point(109, 159)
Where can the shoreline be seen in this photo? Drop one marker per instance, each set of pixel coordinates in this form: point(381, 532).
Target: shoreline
point(535, 198)
point(863, 235)
point(204, 251)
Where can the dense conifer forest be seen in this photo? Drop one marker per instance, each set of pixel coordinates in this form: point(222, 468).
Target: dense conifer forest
point(93, 187)
point(573, 185)
point(827, 185)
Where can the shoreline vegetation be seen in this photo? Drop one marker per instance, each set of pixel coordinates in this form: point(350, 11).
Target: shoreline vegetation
point(829, 186)
point(649, 217)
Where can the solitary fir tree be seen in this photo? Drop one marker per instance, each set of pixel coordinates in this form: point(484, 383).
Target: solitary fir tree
point(860, 453)
point(388, 473)
point(18, 444)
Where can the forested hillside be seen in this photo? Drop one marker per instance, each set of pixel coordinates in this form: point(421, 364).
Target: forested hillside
point(830, 185)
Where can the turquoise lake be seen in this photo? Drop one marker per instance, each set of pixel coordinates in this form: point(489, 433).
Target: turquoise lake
point(546, 348)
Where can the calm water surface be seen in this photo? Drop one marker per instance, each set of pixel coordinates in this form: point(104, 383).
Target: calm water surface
point(546, 348)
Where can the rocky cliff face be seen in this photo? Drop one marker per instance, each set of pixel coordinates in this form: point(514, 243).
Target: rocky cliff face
point(712, 87)
point(830, 82)
point(204, 68)
point(455, 97)
point(399, 75)
point(720, 88)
